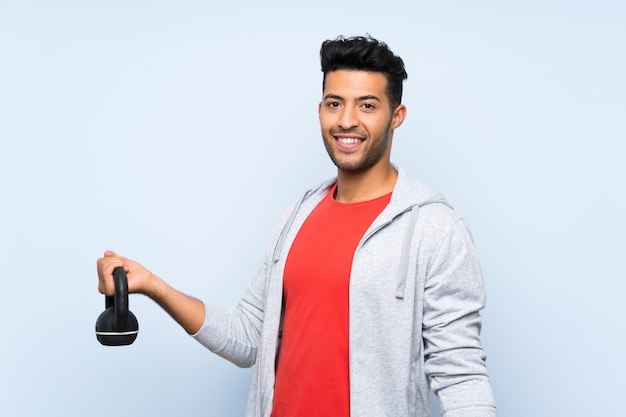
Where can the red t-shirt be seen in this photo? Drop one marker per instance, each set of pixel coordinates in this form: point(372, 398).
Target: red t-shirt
point(312, 378)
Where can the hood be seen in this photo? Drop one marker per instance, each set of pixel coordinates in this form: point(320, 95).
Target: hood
point(408, 194)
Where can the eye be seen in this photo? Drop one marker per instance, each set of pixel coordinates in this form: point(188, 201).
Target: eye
point(332, 104)
point(368, 106)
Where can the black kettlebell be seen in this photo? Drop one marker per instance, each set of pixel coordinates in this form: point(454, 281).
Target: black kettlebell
point(117, 325)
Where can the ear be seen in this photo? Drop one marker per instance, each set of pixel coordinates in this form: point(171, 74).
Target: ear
point(398, 116)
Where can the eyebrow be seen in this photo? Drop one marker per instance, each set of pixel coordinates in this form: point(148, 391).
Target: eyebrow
point(362, 98)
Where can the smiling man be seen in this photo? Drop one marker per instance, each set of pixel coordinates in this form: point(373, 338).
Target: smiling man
point(371, 290)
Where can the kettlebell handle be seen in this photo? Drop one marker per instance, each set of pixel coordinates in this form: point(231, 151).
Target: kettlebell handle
point(120, 300)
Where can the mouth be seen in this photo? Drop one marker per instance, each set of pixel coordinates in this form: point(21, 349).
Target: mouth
point(348, 140)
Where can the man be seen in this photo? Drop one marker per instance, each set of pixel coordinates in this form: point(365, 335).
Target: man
point(370, 291)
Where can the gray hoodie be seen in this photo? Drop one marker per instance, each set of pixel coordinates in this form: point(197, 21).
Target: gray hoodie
point(416, 290)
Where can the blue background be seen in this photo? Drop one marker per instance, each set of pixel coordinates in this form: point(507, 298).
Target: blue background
point(174, 132)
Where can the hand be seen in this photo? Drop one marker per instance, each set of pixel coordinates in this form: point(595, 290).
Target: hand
point(187, 311)
point(139, 278)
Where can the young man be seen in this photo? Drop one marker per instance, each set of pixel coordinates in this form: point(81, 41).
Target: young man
point(370, 291)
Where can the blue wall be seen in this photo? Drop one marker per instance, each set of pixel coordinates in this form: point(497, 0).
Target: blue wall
point(175, 132)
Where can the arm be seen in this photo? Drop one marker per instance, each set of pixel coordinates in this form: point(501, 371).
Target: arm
point(232, 333)
point(189, 312)
point(454, 358)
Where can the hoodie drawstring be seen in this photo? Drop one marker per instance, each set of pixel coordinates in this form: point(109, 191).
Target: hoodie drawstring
point(405, 255)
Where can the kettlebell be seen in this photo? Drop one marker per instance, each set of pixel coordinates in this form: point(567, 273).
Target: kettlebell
point(117, 325)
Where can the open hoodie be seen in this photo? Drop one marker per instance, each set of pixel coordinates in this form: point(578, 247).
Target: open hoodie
point(416, 290)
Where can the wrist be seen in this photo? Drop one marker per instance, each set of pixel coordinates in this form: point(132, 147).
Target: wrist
point(154, 287)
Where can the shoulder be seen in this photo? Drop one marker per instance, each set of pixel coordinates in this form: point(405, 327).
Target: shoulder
point(437, 218)
point(409, 192)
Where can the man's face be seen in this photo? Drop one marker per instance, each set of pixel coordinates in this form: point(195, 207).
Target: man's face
point(357, 121)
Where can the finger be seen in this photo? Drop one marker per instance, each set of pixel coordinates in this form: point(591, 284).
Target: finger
point(109, 253)
point(106, 267)
point(105, 263)
point(109, 264)
point(105, 274)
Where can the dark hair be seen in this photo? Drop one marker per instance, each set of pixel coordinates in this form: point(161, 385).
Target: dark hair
point(364, 53)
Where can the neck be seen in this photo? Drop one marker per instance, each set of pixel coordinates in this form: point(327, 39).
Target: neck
point(354, 187)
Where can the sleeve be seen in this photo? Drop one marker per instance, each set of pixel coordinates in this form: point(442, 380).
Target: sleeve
point(454, 360)
point(234, 333)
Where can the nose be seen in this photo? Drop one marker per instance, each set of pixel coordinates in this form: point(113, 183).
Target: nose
point(348, 118)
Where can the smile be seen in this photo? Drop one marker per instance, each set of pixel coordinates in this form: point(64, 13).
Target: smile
point(349, 141)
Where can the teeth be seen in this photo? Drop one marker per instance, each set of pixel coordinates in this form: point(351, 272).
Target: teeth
point(349, 141)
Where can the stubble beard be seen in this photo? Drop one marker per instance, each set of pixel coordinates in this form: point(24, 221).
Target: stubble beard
point(373, 154)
